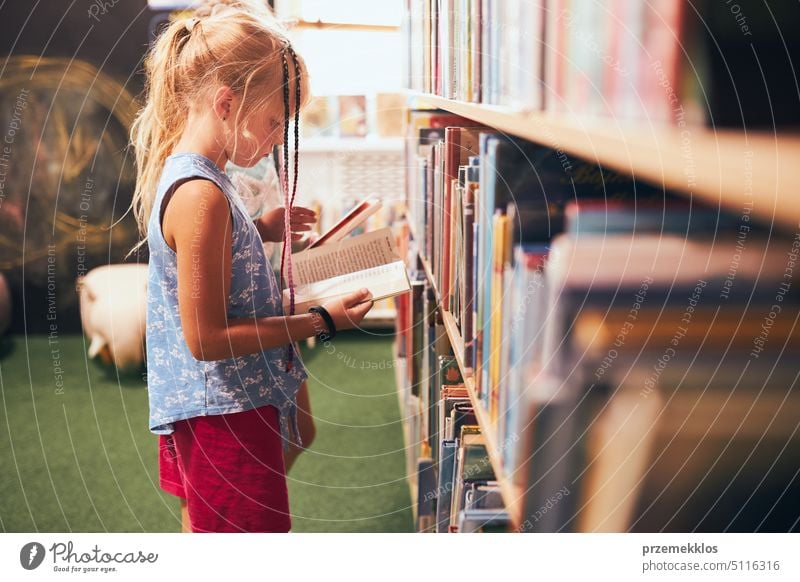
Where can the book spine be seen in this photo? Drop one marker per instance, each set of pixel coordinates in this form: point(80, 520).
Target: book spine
point(455, 45)
point(506, 328)
point(474, 353)
point(468, 296)
point(663, 22)
point(426, 493)
point(627, 102)
point(430, 203)
point(486, 61)
point(428, 387)
point(535, 48)
point(445, 488)
point(500, 228)
point(488, 186)
point(476, 49)
point(452, 300)
point(452, 151)
point(438, 208)
point(508, 44)
point(465, 62)
point(427, 48)
point(496, 55)
point(443, 45)
point(556, 460)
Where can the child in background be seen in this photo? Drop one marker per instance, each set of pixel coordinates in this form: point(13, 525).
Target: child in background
point(223, 374)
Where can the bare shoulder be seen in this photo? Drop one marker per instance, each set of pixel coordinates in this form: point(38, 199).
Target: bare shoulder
point(197, 207)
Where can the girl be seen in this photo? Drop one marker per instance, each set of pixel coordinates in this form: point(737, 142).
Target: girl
point(261, 181)
point(223, 373)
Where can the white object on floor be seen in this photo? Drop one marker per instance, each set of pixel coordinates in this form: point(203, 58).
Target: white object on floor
point(113, 303)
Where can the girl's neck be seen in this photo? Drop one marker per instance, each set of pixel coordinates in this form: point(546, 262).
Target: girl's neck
point(200, 137)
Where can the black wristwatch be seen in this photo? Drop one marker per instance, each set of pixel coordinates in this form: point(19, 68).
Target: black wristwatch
point(323, 335)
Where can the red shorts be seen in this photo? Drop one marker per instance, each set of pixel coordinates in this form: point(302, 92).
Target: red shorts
point(230, 470)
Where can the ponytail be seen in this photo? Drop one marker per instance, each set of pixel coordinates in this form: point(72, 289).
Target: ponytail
point(159, 124)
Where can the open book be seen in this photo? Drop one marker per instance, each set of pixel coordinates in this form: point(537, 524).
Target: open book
point(338, 268)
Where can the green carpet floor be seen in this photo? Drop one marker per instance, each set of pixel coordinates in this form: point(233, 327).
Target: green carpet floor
point(79, 457)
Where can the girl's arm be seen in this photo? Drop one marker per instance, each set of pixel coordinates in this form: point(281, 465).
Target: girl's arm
point(197, 225)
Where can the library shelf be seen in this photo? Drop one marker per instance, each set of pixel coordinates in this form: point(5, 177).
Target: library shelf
point(742, 171)
point(511, 493)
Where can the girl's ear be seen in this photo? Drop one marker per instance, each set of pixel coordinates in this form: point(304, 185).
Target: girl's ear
point(223, 102)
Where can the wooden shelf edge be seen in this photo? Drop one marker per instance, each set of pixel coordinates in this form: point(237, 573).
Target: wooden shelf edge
point(738, 170)
point(511, 497)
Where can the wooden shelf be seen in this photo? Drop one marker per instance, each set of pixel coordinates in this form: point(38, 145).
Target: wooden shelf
point(734, 169)
point(511, 494)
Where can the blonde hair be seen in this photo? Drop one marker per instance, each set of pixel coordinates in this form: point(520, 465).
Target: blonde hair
point(234, 47)
point(210, 7)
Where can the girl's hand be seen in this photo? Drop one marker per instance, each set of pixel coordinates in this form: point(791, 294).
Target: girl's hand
point(270, 224)
point(348, 311)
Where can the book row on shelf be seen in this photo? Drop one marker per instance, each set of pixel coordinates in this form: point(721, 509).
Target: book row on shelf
point(587, 352)
point(661, 60)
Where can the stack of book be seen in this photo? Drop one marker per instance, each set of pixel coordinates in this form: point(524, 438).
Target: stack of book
point(622, 342)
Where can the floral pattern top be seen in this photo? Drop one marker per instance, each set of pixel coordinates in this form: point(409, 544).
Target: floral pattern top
point(181, 386)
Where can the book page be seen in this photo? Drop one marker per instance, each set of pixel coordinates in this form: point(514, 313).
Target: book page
point(382, 281)
point(353, 254)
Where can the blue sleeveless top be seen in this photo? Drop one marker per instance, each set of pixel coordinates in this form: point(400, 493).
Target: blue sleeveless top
point(180, 386)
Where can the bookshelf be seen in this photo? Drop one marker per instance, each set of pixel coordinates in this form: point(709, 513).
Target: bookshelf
point(718, 157)
point(511, 493)
point(454, 182)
